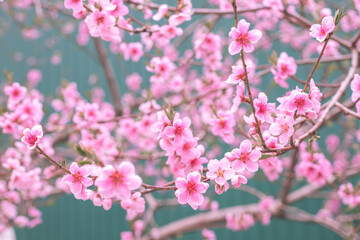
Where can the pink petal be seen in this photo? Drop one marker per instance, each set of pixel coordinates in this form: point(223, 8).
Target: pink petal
point(126, 168)
point(68, 179)
point(245, 146)
point(229, 173)
point(234, 48)
point(202, 187)
point(76, 187)
point(37, 131)
point(87, 182)
point(238, 166)
point(248, 48)
point(213, 165)
point(315, 30)
point(169, 132)
point(183, 197)
point(134, 182)
point(254, 36)
point(243, 26)
point(196, 198)
point(194, 177)
point(74, 168)
point(252, 166)
point(328, 24)
point(255, 155)
point(181, 183)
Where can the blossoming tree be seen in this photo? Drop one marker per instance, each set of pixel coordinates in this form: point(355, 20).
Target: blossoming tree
point(207, 122)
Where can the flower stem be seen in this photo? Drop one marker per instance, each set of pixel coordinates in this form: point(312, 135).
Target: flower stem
point(53, 161)
point(317, 62)
point(251, 99)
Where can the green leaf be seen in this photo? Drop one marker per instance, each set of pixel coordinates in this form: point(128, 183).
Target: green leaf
point(81, 151)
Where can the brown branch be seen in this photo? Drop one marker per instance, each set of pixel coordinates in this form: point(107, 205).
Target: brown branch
point(347, 110)
point(53, 161)
point(317, 62)
point(109, 74)
point(251, 99)
point(290, 176)
point(199, 11)
point(300, 20)
point(335, 98)
point(319, 84)
point(342, 230)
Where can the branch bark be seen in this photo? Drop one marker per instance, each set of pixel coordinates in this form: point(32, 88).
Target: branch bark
point(109, 74)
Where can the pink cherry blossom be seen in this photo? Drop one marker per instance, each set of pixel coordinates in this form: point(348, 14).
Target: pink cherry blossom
point(190, 190)
point(133, 81)
point(220, 171)
point(75, 5)
point(244, 157)
point(238, 179)
point(263, 108)
point(118, 182)
point(134, 51)
point(179, 130)
point(16, 93)
point(134, 205)
point(320, 32)
point(348, 194)
point(79, 179)
point(243, 38)
point(285, 67)
point(33, 136)
point(34, 77)
point(163, 8)
point(283, 127)
point(299, 101)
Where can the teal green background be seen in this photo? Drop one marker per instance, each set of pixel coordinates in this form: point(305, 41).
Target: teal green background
point(73, 219)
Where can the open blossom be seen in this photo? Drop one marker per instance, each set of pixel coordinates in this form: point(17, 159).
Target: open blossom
point(320, 32)
point(16, 93)
point(283, 128)
point(243, 38)
point(355, 87)
point(118, 182)
point(179, 130)
point(223, 125)
point(299, 101)
point(134, 205)
point(285, 67)
point(190, 190)
point(315, 167)
point(348, 194)
point(75, 5)
point(133, 50)
point(32, 137)
point(263, 108)
point(220, 171)
point(78, 180)
point(102, 25)
point(244, 157)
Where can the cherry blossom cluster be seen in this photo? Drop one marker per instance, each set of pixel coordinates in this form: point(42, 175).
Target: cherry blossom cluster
point(218, 106)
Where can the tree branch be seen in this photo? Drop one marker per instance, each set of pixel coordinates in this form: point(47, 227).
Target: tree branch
point(109, 74)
